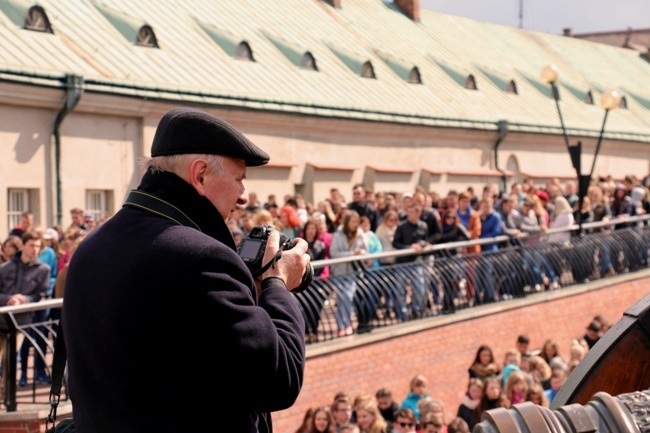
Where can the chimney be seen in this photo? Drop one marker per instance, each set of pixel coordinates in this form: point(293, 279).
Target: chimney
point(567, 32)
point(410, 8)
point(335, 3)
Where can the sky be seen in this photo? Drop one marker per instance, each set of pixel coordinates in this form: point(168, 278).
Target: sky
point(552, 16)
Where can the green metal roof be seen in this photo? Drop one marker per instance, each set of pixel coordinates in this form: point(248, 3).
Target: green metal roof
point(196, 62)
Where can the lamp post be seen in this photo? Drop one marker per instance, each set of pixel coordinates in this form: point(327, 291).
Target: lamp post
point(609, 100)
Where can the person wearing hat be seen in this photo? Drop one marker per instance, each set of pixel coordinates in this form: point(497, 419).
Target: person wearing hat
point(159, 309)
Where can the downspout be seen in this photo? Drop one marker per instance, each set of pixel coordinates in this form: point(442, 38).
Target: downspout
point(502, 127)
point(73, 90)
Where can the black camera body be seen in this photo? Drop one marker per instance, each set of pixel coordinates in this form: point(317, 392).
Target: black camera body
point(251, 249)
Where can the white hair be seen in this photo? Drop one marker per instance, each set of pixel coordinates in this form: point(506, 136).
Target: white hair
point(177, 164)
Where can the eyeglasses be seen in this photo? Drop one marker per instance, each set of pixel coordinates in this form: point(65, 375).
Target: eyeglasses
point(406, 424)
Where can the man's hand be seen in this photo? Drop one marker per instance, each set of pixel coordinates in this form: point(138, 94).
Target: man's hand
point(291, 266)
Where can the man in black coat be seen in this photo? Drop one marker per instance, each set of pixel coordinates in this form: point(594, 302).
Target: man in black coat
point(165, 326)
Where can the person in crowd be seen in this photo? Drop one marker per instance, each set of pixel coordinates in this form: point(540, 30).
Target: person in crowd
point(322, 421)
point(540, 370)
point(48, 256)
point(181, 257)
point(386, 234)
point(467, 409)
point(316, 298)
point(458, 425)
point(360, 205)
point(470, 219)
point(305, 426)
point(452, 230)
point(562, 218)
point(549, 350)
point(586, 214)
point(254, 203)
point(621, 205)
point(417, 390)
point(342, 410)
point(484, 364)
point(558, 376)
point(387, 405)
point(523, 344)
point(602, 213)
point(511, 361)
point(493, 397)
point(77, 217)
point(592, 333)
point(571, 193)
point(369, 418)
point(577, 351)
point(429, 215)
point(357, 401)
point(490, 228)
point(516, 387)
point(289, 222)
point(431, 424)
point(347, 241)
point(348, 428)
point(404, 421)
point(412, 234)
point(89, 221)
point(26, 223)
point(10, 247)
point(432, 407)
point(535, 395)
point(325, 237)
point(23, 279)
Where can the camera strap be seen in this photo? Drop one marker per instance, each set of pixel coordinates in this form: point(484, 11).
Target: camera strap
point(151, 203)
point(269, 264)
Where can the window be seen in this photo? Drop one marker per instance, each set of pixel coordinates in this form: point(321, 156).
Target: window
point(17, 203)
point(623, 103)
point(308, 62)
point(146, 37)
point(512, 87)
point(96, 203)
point(36, 20)
point(470, 83)
point(414, 76)
point(367, 71)
point(244, 52)
point(589, 98)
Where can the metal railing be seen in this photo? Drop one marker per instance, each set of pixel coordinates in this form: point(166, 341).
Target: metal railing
point(440, 280)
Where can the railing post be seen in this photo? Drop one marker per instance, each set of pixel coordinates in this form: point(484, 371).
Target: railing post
point(10, 367)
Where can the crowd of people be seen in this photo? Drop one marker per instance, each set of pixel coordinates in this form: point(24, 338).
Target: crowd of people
point(524, 375)
point(373, 222)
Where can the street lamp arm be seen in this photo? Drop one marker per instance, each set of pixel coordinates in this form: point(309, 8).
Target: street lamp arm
point(600, 140)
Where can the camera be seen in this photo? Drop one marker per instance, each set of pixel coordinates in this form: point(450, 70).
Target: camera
point(251, 249)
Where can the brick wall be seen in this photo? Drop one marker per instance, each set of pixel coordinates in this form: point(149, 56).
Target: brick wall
point(443, 348)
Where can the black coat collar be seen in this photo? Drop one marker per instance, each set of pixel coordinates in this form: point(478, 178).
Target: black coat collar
point(174, 190)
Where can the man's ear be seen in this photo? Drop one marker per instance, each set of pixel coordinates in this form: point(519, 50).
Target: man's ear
point(198, 171)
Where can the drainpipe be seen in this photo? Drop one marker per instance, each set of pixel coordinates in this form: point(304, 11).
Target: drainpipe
point(73, 91)
point(502, 127)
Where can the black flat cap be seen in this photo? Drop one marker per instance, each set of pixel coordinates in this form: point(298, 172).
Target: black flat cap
point(186, 130)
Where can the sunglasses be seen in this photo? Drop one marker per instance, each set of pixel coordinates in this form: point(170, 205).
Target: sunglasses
point(406, 424)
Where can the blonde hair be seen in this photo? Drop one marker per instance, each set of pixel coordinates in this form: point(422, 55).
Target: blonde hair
point(378, 424)
point(418, 380)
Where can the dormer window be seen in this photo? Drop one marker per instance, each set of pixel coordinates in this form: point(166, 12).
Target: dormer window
point(146, 37)
point(414, 76)
point(512, 88)
point(36, 20)
point(244, 52)
point(623, 103)
point(470, 82)
point(589, 98)
point(308, 62)
point(367, 71)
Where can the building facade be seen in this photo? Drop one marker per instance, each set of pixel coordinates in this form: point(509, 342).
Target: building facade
point(337, 93)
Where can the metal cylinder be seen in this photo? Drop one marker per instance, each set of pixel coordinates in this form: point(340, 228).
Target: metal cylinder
point(625, 413)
